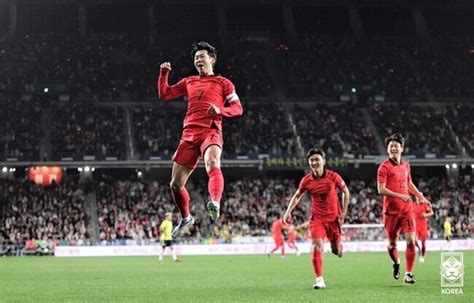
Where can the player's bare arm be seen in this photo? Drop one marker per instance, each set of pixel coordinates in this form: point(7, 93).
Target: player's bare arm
point(303, 225)
point(346, 195)
point(383, 190)
point(293, 202)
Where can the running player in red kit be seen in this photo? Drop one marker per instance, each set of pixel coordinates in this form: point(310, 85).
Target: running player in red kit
point(422, 212)
point(292, 235)
point(277, 228)
point(210, 99)
point(326, 215)
point(395, 184)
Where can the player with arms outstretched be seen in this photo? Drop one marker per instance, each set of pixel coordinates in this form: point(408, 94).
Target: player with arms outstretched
point(326, 215)
point(395, 184)
point(210, 99)
point(422, 212)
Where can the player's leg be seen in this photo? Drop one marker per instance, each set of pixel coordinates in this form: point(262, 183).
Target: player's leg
point(392, 228)
point(408, 229)
point(179, 177)
point(162, 252)
point(318, 249)
point(173, 253)
point(318, 233)
point(334, 234)
point(185, 161)
point(212, 160)
point(423, 247)
point(278, 245)
point(410, 256)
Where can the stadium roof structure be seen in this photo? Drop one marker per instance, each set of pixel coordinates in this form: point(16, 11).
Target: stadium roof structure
point(403, 3)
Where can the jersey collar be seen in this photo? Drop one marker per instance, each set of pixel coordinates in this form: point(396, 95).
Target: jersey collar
point(395, 163)
point(322, 176)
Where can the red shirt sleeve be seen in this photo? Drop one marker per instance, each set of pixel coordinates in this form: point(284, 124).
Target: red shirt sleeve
point(382, 174)
point(167, 92)
point(302, 186)
point(232, 106)
point(339, 182)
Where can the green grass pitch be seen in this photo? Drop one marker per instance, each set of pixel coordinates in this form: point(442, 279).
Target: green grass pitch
point(357, 277)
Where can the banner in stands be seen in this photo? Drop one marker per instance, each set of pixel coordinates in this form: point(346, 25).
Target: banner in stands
point(301, 162)
point(243, 249)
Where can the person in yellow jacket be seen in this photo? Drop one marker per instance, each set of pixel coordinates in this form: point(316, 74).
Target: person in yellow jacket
point(448, 233)
point(166, 238)
point(447, 229)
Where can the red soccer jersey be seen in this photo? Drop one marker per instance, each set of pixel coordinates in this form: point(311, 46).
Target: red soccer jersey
point(396, 178)
point(324, 200)
point(202, 91)
point(277, 227)
point(420, 210)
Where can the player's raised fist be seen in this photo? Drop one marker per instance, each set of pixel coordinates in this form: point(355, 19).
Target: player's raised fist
point(165, 65)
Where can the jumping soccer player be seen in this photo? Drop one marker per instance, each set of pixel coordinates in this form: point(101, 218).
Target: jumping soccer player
point(422, 212)
point(395, 184)
point(210, 99)
point(326, 215)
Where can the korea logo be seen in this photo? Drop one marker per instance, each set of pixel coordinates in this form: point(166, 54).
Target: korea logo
point(452, 269)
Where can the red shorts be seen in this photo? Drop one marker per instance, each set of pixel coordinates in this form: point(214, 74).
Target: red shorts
point(394, 224)
point(278, 240)
point(193, 144)
point(330, 230)
point(421, 230)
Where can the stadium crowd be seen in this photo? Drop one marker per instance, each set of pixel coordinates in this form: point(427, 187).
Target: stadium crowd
point(339, 130)
point(36, 218)
point(20, 130)
point(424, 127)
point(400, 68)
point(80, 130)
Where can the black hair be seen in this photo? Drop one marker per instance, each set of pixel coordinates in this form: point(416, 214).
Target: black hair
point(211, 50)
point(397, 137)
point(316, 151)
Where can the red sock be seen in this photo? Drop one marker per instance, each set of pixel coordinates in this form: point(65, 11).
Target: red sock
point(410, 257)
point(423, 248)
point(216, 184)
point(283, 250)
point(393, 253)
point(181, 200)
point(317, 263)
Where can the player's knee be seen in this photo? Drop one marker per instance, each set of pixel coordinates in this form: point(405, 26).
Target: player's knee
point(175, 186)
point(317, 247)
point(211, 163)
